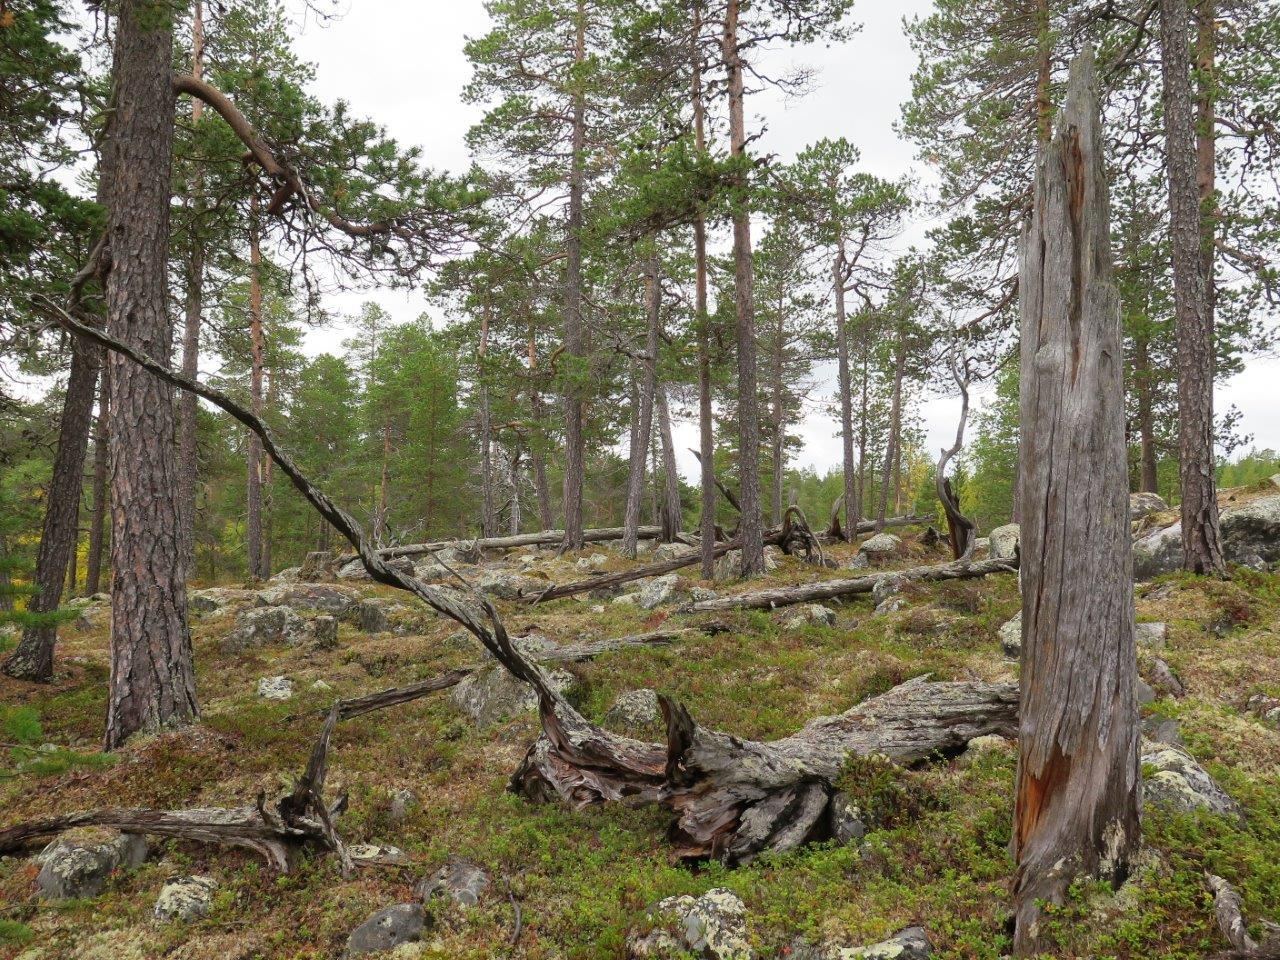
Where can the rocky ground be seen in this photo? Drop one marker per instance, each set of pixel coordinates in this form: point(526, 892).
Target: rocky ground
point(456, 867)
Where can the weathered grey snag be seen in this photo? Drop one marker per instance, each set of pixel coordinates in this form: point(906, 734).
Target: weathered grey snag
point(1077, 796)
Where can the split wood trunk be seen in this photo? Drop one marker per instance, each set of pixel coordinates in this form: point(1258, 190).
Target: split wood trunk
point(1078, 788)
point(734, 799)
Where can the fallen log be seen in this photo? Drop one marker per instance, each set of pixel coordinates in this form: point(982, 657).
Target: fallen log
point(733, 798)
point(1231, 922)
point(541, 539)
point(833, 589)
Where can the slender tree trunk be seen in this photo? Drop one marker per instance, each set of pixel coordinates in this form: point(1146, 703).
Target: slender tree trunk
point(536, 456)
point(488, 516)
point(268, 501)
point(513, 480)
point(644, 421)
point(852, 505)
point(253, 458)
point(1148, 481)
point(751, 530)
point(862, 434)
point(892, 451)
point(1078, 788)
point(188, 458)
point(380, 517)
point(706, 440)
point(73, 561)
point(152, 683)
point(670, 516)
point(574, 439)
point(1206, 141)
point(777, 445)
point(1201, 534)
point(33, 657)
point(101, 461)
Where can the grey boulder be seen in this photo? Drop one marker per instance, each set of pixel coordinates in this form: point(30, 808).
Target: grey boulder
point(79, 868)
point(1004, 542)
point(634, 708)
point(386, 930)
point(712, 926)
point(1144, 504)
point(1179, 782)
point(185, 898)
point(490, 695)
point(459, 881)
point(658, 590)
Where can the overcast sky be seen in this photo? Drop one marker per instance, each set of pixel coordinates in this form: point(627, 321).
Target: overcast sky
point(400, 62)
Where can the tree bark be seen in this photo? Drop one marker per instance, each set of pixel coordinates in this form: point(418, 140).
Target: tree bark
point(1078, 788)
point(852, 506)
point(32, 659)
point(488, 517)
point(253, 457)
point(643, 421)
point(1201, 533)
point(892, 452)
point(706, 440)
point(574, 439)
point(536, 456)
point(188, 459)
point(101, 463)
point(152, 682)
point(777, 441)
point(670, 515)
point(1149, 481)
point(751, 528)
point(734, 799)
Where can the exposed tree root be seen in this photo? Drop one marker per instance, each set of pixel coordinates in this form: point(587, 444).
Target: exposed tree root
point(1226, 908)
point(735, 798)
point(832, 589)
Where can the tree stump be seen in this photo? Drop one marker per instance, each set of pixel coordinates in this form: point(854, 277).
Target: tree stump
point(1077, 801)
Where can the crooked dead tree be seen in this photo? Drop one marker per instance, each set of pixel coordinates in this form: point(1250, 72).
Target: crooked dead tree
point(960, 527)
point(152, 684)
point(1078, 788)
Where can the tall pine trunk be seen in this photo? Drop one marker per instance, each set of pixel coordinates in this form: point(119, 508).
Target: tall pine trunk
point(1148, 481)
point(574, 440)
point(253, 456)
point(101, 464)
point(670, 516)
point(751, 530)
point(33, 657)
point(1201, 534)
point(706, 439)
point(546, 519)
point(152, 684)
point(852, 505)
point(777, 441)
point(488, 515)
point(644, 421)
point(893, 445)
point(188, 460)
point(1078, 788)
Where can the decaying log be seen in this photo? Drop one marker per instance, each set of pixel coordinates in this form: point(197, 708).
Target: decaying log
point(733, 798)
point(869, 526)
point(1078, 793)
point(833, 589)
point(542, 539)
point(1227, 911)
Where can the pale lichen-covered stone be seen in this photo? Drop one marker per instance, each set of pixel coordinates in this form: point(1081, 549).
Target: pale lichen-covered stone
point(490, 695)
point(275, 688)
point(881, 545)
point(1178, 781)
point(658, 590)
point(77, 865)
point(1003, 541)
point(386, 930)
point(634, 708)
point(185, 898)
point(1011, 637)
point(712, 926)
point(810, 614)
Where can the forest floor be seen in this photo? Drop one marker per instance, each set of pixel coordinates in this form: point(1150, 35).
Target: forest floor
point(583, 880)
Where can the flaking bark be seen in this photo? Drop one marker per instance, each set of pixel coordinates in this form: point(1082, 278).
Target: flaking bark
point(1078, 789)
